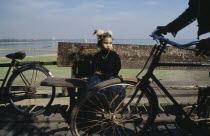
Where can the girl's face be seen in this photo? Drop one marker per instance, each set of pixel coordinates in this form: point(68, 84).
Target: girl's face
point(107, 43)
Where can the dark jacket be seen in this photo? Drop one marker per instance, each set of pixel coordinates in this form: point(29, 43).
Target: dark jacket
point(106, 64)
point(198, 9)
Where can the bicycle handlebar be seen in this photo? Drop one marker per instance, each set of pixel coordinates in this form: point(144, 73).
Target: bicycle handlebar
point(160, 38)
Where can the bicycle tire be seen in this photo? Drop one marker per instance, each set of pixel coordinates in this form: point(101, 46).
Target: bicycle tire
point(96, 115)
point(25, 93)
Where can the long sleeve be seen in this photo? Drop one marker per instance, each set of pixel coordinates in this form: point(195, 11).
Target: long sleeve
point(117, 65)
point(94, 64)
point(186, 18)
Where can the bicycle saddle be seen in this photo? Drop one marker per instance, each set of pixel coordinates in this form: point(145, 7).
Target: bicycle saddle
point(17, 55)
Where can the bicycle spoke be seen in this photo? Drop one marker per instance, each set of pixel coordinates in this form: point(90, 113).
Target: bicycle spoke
point(100, 102)
point(97, 111)
point(25, 79)
point(18, 93)
point(38, 85)
point(129, 113)
point(89, 120)
point(96, 105)
point(103, 129)
point(114, 99)
point(106, 100)
point(35, 78)
point(85, 111)
point(91, 127)
point(123, 130)
point(121, 121)
point(114, 132)
point(120, 110)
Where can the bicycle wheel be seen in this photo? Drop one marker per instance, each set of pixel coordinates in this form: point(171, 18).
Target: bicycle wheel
point(113, 110)
point(25, 93)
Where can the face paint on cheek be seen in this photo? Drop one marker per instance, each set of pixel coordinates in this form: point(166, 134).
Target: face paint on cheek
point(108, 46)
point(107, 43)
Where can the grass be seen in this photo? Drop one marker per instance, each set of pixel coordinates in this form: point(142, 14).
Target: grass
point(200, 77)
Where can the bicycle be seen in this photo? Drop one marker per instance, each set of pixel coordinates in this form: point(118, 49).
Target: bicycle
point(100, 112)
point(22, 89)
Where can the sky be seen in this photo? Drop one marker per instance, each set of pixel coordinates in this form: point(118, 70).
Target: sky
point(77, 19)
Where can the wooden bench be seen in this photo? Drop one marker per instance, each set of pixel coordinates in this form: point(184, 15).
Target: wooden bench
point(64, 82)
point(78, 56)
point(69, 83)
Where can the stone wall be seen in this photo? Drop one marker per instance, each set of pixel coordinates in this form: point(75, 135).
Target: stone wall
point(132, 56)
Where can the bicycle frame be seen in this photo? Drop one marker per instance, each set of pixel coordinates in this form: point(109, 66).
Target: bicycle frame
point(157, 52)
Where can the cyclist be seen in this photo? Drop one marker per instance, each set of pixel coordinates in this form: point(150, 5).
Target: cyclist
point(198, 9)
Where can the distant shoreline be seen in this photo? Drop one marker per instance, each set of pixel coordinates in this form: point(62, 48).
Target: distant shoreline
point(44, 55)
point(35, 56)
point(28, 50)
point(19, 42)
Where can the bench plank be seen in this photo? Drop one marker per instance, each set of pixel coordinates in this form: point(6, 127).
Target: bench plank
point(64, 82)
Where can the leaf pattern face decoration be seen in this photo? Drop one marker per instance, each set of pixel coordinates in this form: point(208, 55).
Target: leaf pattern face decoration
point(107, 43)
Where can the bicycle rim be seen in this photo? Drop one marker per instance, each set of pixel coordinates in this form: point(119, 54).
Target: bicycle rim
point(25, 93)
point(110, 112)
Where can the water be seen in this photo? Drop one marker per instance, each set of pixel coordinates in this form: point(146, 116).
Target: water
point(50, 45)
point(53, 45)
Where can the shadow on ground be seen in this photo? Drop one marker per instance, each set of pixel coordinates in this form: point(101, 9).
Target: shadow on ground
point(55, 122)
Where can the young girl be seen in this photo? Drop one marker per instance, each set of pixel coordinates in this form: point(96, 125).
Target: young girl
point(106, 63)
